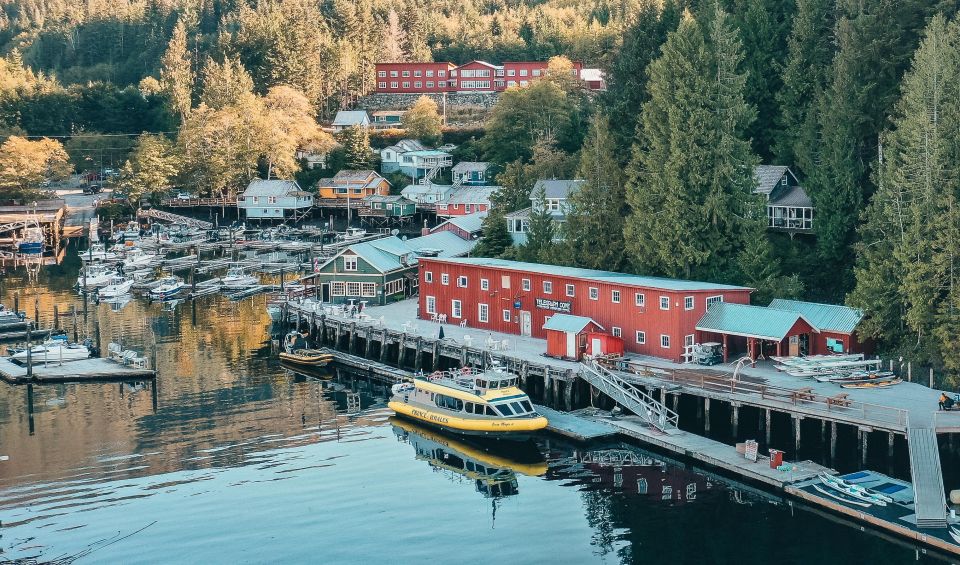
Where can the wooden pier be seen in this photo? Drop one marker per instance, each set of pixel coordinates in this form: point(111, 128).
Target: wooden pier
point(71, 371)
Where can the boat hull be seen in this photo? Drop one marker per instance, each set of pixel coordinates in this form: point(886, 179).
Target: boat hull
point(30, 247)
point(506, 428)
point(307, 361)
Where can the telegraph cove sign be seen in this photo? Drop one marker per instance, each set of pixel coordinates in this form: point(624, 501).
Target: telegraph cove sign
point(554, 305)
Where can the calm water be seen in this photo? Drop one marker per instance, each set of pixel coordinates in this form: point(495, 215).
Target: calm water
point(232, 459)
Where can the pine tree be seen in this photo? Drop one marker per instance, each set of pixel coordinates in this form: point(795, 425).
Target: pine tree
point(224, 83)
point(151, 168)
point(496, 237)
point(909, 257)
point(393, 39)
point(356, 145)
point(692, 172)
point(593, 230)
point(541, 234)
point(627, 78)
point(176, 72)
point(805, 76)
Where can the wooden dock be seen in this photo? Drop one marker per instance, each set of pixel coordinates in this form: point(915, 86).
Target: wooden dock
point(931, 503)
point(574, 427)
point(385, 373)
point(72, 371)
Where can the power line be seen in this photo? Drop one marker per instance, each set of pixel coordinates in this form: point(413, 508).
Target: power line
point(82, 135)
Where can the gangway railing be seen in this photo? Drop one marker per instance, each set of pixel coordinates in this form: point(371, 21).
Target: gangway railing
point(630, 396)
point(175, 218)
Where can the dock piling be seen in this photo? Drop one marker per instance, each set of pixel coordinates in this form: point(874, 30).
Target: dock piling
point(890, 439)
point(796, 432)
point(734, 418)
point(833, 440)
point(56, 317)
point(864, 435)
point(706, 414)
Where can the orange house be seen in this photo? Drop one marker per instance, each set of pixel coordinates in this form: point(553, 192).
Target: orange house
point(353, 184)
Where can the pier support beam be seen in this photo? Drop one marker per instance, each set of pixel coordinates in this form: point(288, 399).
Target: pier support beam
point(734, 419)
point(366, 346)
point(418, 358)
point(833, 440)
point(383, 345)
point(706, 415)
point(401, 349)
point(339, 332)
point(435, 360)
point(568, 392)
point(352, 347)
point(674, 401)
point(890, 439)
point(864, 435)
point(766, 424)
point(796, 433)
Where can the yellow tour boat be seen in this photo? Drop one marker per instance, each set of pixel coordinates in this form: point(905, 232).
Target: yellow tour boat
point(484, 404)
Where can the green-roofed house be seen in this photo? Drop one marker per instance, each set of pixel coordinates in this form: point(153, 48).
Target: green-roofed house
point(785, 328)
point(837, 325)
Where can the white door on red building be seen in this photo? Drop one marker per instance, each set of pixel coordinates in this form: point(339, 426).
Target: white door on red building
point(572, 345)
point(525, 324)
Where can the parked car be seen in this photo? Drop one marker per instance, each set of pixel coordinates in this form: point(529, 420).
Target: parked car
point(92, 189)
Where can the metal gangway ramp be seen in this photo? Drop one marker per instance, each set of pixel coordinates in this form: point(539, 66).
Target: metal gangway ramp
point(930, 503)
point(630, 397)
point(174, 218)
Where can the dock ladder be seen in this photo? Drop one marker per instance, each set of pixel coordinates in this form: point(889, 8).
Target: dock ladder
point(630, 396)
point(930, 503)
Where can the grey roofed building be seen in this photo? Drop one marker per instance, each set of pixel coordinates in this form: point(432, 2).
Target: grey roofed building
point(470, 223)
point(769, 177)
point(348, 118)
point(792, 196)
point(464, 166)
point(555, 188)
point(828, 317)
point(274, 199)
point(275, 187)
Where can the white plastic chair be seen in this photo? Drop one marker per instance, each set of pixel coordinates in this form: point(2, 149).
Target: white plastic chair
point(463, 324)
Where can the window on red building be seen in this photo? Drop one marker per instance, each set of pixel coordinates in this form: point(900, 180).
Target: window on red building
point(665, 341)
point(641, 337)
point(664, 302)
point(571, 290)
point(456, 309)
point(688, 303)
point(547, 287)
point(615, 296)
point(431, 305)
point(594, 293)
point(506, 315)
point(483, 313)
point(526, 284)
point(428, 276)
point(617, 332)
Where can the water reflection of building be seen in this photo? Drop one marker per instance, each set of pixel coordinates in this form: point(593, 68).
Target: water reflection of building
point(632, 471)
point(493, 474)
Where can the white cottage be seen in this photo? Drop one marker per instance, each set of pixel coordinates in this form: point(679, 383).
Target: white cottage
point(275, 199)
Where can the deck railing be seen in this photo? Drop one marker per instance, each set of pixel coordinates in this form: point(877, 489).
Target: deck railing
point(802, 400)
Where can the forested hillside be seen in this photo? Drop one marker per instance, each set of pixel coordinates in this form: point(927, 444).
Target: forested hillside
point(853, 95)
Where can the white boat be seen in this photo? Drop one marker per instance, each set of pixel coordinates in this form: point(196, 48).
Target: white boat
point(8, 317)
point(54, 350)
point(955, 534)
point(237, 278)
point(98, 252)
point(137, 258)
point(95, 275)
point(353, 234)
point(169, 286)
point(854, 491)
point(118, 286)
point(32, 242)
point(129, 233)
point(841, 497)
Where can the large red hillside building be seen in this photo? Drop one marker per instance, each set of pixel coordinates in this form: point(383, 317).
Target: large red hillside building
point(654, 316)
point(475, 76)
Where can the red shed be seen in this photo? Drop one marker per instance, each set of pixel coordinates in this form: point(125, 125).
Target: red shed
point(599, 343)
point(836, 324)
point(567, 335)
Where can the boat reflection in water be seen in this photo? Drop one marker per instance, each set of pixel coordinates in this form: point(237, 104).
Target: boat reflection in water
point(492, 468)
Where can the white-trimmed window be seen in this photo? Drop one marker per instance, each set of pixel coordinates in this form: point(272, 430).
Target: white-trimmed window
point(393, 74)
point(382, 74)
point(428, 276)
point(429, 73)
point(506, 315)
point(456, 309)
point(406, 84)
point(406, 73)
point(382, 84)
point(444, 279)
point(640, 299)
point(665, 341)
point(417, 73)
point(714, 299)
point(393, 287)
point(525, 284)
point(484, 284)
point(483, 313)
point(641, 337)
point(571, 290)
point(688, 303)
point(664, 302)
point(394, 84)
point(594, 293)
point(547, 287)
point(338, 288)
point(418, 84)
point(368, 290)
point(688, 340)
point(349, 263)
point(615, 296)
point(462, 282)
point(431, 305)
point(429, 84)
point(617, 332)
point(353, 288)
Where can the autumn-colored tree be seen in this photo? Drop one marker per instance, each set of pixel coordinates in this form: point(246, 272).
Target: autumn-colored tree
point(422, 121)
point(151, 169)
point(25, 164)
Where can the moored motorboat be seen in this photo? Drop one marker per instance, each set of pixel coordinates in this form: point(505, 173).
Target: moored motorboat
point(167, 287)
point(32, 241)
point(353, 234)
point(53, 350)
point(137, 258)
point(311, 358)
point(486, 403)
point(883, 383)
point(840, 483)
point(118, 286)
point(98, 252)
point(236, 277)
point(94, 275)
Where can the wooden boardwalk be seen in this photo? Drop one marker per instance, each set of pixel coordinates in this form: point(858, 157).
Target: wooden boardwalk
point(927, 477)
point(72, 371)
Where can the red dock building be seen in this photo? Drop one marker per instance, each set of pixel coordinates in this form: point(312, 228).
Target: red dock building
point(654, 316)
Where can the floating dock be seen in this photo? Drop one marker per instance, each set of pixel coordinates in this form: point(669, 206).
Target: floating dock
point(574, 427)
point(72, 371)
